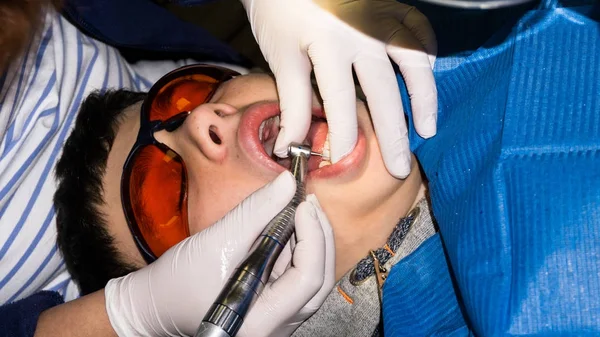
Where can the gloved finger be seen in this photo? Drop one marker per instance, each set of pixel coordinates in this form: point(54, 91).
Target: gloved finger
point(329, 276)
point(308, 261)
point(241, 226)
point(336, 87)
point(284, 261)
point(418, 76)
point(295, 100)
point(420, 28)
point(285, 298)
point(380, 86)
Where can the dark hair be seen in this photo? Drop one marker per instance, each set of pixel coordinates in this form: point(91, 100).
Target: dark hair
point(86, 246)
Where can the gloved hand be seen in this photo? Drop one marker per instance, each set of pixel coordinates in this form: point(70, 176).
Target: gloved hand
point(171, 296)
point(336, 35)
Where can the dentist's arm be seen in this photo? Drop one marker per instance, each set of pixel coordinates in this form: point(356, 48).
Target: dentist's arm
point(171, 296)
point(334, 37)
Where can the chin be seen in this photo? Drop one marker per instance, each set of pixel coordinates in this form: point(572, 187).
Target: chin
point(258, 131)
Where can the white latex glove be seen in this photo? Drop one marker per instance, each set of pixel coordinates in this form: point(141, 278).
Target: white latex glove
point(171, 296)
point(335, 36)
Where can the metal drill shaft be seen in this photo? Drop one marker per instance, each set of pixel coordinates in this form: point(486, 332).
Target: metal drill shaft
point(226, 315)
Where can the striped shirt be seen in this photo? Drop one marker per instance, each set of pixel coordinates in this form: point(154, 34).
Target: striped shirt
point(39, 99)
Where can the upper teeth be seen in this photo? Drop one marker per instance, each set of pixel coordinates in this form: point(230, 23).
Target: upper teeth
point(260, 131)
point(261, 128)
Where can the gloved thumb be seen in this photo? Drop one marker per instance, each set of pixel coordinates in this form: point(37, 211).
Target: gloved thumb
point(289, 300)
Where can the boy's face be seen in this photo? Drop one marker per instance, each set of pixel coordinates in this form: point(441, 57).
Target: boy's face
point(226, 144)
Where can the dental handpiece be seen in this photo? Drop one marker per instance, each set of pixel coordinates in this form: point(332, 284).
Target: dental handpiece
point(226, 315)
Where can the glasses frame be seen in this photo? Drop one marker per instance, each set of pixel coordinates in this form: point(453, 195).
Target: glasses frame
point(146, 137)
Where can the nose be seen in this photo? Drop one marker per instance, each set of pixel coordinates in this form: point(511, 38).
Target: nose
point(209, 127)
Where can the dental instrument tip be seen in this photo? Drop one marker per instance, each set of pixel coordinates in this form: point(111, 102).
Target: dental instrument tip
point(319, 154)
point(295, 149)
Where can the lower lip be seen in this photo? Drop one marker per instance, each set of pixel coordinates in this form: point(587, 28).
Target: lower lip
point(249, 141)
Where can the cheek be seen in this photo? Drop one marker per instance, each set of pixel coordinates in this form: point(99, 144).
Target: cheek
point(212, 196)
point(376, 169)
point(367, 191)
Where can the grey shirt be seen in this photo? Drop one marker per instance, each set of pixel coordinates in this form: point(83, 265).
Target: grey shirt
point(353, 307)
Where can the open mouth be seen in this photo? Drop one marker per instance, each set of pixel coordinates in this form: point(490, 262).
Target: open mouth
point(317, 139)
point(259, 130)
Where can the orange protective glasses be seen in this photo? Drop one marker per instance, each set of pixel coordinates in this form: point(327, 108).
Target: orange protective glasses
point(154, 180)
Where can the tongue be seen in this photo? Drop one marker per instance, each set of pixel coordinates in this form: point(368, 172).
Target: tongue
point(316, 137)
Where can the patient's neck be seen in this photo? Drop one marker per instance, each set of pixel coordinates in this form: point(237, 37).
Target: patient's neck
point(356, 236)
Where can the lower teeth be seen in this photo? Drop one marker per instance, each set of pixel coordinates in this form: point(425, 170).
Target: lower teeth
point(324, 163)
point(325, 149)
